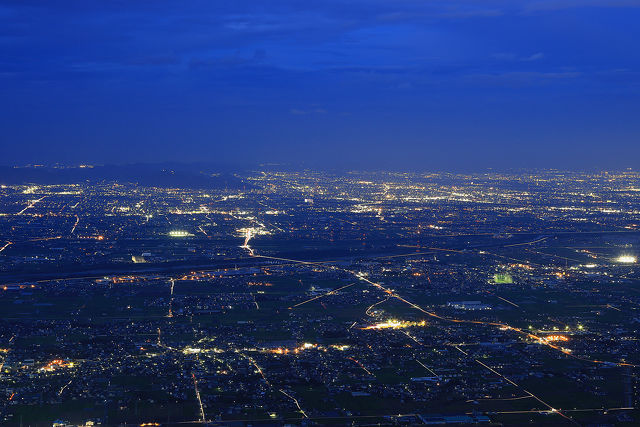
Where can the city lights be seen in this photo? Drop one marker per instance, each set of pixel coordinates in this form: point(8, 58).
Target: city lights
point(627, 259)
point(395, 324)
point(179, 233)
point(327, 300)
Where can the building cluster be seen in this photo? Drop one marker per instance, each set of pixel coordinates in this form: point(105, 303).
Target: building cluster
point(307, 298)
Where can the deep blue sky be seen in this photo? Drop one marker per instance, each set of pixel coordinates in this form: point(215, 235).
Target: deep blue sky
point(364, 83)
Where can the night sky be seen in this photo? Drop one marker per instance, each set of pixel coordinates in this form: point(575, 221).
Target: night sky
point(427, 84)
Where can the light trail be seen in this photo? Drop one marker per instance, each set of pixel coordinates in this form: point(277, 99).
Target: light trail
point(6, 354)
point(295, 261)
point(533, 411)
point(73, 229)
point(418, 253)
point(460, 350)
point(195, 385)
point(41, 239)
point(503, 299)
point(445, 250)
point(506, 398)
point(320, 296)
point(396, 415)
point(304, 414)
point(502, 326)
point(6, 246)
point(527, 243)
point(253, 362)
point(427, 368)
point(423, 247)
point(30, 205)
point(247, 237)
point(554, 256)
point(170, 314)
point(373, 305)
point(507, 301)
point(361, 366)
point(520, 261)
point(64, 387)
point(551, 408)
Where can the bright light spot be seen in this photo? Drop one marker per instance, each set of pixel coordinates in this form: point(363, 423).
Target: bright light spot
point(552, 338)
point(179, 233)
point(56, 364)
point(395, 324)
point(627, 259)
point(340, 347)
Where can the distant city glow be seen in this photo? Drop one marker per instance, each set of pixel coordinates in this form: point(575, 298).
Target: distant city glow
point(296, 350)
point(253, 290)
point(179, 233)
point(57, 363)
point(395, 324)
point(553, 338)
point(627, 259)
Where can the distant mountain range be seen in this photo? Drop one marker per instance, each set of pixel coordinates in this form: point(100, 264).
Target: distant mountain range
point(164, 175)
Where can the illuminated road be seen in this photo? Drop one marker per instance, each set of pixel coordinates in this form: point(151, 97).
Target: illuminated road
point(6, 246)
point(304, 414)
point(502, 326)
point(170, 314)
point(73, 229)
point(503, 299)
point(31, 204)
point(551, 408)
point(258, 368)
point(427, 368)
point(321, 296)
point(542, 239)
point(375, 304)
point(360, 365)
point(195, 385)
point(64, 387)
point(247, 238)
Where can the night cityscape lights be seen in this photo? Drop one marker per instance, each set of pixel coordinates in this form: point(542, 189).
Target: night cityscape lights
point(391, 299)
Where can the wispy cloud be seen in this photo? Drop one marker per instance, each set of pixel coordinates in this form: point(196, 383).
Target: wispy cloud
point(551, 5)
point(522, 78)
point(304, 112)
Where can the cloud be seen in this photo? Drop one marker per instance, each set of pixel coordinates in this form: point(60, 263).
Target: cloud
point(513, 57)
point(304, 112)
point(551, 5)
point(534, 57)
point(522, 78)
